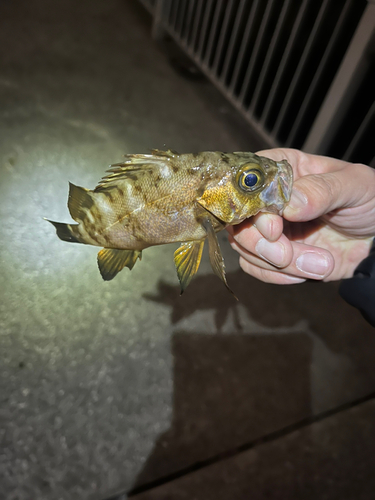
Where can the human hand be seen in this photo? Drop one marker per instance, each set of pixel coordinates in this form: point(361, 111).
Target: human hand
point(328, 225)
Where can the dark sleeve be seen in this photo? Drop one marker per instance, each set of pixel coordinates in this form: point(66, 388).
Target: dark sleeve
point(359, 291)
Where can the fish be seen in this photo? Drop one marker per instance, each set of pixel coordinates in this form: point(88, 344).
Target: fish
point(166, 197)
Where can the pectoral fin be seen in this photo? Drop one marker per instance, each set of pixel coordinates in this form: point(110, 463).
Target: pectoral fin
point(214, 252)
point(111, 261)
point(187, 259)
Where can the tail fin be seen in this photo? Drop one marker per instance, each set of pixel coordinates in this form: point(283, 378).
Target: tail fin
point(65, 231)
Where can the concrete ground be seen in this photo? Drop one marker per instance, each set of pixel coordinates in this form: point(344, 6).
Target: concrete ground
point(126, 388)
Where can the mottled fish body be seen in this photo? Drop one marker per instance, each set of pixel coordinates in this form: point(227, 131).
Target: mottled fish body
point(164, 197)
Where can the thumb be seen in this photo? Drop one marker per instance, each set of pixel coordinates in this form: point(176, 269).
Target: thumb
point(318, 194)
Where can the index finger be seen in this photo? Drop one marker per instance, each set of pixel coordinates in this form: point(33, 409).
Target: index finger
point(269, 225)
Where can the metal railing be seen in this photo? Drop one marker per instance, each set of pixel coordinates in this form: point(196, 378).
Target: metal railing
point(302, 72)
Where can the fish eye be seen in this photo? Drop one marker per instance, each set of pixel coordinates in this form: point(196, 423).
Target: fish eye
point(250, 180)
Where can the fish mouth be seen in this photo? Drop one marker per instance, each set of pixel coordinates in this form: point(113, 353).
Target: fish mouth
point(277, 193)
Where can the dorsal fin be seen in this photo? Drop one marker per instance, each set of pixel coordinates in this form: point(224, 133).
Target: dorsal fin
point(170, 153)
point(135, 165)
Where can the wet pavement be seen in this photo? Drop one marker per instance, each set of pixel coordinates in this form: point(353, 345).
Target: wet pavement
point(125, 387)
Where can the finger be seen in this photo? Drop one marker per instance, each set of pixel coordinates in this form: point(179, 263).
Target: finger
point(249, 241)
point(269, 225)
point(307, 261)
point(269, 276)
point(316, 195)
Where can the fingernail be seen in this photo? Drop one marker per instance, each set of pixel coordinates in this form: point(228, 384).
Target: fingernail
point(274, 253)
point(297, 199)
point(313, 263)
point(295, 279)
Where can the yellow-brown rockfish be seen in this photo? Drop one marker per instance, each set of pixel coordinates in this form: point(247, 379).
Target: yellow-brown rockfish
point(166, 197)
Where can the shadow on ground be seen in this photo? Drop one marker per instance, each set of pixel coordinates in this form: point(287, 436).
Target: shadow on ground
point(232, 388)
point(315, 303)
point(229, 389)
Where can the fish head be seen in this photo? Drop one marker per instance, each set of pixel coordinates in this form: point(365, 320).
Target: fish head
point(264, 185)
point(253, 184)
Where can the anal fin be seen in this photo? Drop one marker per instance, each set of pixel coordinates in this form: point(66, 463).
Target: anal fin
point(214, 253)
point(111, 261)
point(187, 258)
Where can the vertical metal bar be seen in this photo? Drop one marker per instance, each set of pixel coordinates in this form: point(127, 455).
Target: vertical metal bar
point(299, 69)
point(195, 35)
point(161, 15)
point(176, 5)
point(204, 28)
point(229, 54)
point(343, 86)
point(244, 43)
point(213, 31)
point(223, 33)
point(255, 52)
point(184, 20)
point(369, 115)
point(318, 74)
point(283, 62)
point(189, 17)
point(180, 17)
point(267, 60)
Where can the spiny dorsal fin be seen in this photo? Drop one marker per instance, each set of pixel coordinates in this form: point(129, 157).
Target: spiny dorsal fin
point(187, 258)
point(120, 171)
point(111, 261)
point(79, 202)
point(214, 252)
point(135, 165)
point(170, 153)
